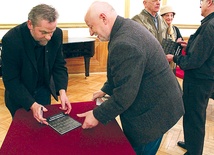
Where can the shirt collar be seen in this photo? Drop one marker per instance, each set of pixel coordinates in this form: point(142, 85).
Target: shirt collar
point(156, 16)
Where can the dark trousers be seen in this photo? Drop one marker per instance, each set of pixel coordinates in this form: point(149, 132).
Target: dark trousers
point(149, 148)
point(196, 94)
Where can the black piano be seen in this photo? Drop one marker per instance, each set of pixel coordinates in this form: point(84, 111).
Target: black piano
point(76, 47)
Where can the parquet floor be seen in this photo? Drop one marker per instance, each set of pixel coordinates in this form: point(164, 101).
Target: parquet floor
point(81, 89)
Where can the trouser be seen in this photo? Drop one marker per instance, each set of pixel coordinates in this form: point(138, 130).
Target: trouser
point(149, 148)
point(196, 94)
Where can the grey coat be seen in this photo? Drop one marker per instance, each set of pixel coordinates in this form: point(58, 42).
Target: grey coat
point(143, 89)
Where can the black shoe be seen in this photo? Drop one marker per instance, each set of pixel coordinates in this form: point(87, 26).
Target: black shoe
point(181, 144)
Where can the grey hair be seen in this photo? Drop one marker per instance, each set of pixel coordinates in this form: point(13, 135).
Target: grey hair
point(42, 12)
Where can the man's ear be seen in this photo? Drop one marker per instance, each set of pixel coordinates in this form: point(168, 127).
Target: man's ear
point(29, 24)
point(210, 2)
point(103, 17)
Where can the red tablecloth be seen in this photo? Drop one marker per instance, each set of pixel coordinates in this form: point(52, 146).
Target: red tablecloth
point(26, 136)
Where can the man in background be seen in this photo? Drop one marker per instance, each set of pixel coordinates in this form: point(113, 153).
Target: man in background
point(32, 64)
point(198, 83)
point(151, 20)
point(147, 98)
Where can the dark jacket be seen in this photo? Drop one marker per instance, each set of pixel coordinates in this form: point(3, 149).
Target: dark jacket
point(199, 59)
point(178, 33)
point(143, 89)
point(19, 66)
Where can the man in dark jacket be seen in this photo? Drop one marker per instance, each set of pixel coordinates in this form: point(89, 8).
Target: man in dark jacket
point(142, 88)
point(198, 84)
point(33, 65)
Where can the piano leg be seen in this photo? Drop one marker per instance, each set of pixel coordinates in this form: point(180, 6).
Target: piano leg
point(87, 64)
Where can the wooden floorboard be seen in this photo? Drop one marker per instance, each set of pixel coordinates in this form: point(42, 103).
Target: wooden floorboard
point(81, 89)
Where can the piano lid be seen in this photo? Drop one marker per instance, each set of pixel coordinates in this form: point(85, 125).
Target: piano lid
point(75, 47)
point(78, 40)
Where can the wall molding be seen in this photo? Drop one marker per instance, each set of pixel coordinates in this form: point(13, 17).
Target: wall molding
point(6, 26)
point(187, 26)
point(61, 25)
point(83, 25)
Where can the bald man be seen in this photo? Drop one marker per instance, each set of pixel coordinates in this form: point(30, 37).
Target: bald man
point(147, 98)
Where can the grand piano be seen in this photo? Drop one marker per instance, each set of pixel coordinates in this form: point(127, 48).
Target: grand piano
point(76, 47)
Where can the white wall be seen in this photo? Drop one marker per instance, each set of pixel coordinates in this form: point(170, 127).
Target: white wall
point(69, 11)
point(74, 11)
point(187, 11)
point(184, 13)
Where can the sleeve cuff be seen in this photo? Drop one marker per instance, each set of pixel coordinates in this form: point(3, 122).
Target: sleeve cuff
point(175, 59)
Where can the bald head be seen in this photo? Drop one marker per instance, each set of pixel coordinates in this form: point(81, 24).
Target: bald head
point(152, 6)
point(100, 19)
point(99, 7)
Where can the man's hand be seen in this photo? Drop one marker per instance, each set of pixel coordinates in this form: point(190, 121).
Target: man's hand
point(66, 105)
point(98, 94)
point(183, 43)
point(169, 57)
point(38, 110)
point(90, 120)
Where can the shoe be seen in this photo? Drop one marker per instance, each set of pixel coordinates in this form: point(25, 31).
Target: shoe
point(181, 144)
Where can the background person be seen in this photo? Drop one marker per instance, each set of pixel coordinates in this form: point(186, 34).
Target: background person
point(147, 98)
point(173, 32)
point(168, 14)
point(32, 63)
point(198, 83)
point(151, 20)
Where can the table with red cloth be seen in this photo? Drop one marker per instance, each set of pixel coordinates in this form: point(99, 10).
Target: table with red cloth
point(26, 136)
